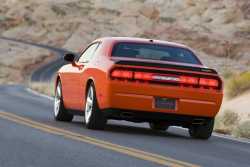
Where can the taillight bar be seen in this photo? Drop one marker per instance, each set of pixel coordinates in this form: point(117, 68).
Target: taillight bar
point(143, 76)
point(122, 74)
point(178, 79)
point(189, 80)
point(209, 82)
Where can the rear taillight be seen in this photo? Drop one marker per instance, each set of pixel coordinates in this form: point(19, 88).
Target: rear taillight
point(167, 78)
point(143, 76)
point(122, 74)
point(209, 82)
point(189, 80)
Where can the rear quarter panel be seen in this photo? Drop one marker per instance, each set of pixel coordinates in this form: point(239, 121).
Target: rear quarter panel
point(98, 72)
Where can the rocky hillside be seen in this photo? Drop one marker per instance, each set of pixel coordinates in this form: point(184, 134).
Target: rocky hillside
point(218, 29)
point(18, 60)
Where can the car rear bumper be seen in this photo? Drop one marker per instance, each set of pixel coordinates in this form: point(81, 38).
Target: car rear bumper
point(140, 97)
point(171, 119)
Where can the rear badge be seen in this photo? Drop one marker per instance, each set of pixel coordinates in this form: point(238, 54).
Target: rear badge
point(166, 78)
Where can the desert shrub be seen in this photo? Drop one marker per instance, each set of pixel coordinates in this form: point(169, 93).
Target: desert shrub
point(227, 73)
point(219, 126)
point(242, 130)
point(230, 118)
point(226, 122)
point(168, 19)
point(29, 20)
point(58, 10)
point(238, 84)
point(109, 11)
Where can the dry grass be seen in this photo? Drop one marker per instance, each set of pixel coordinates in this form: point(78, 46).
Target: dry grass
point(226, 122)
point(238, 84)
point(59, 11)
point(230, 123)
point(242, 130)
point(227, 73)
point(168, 19)
point(43, 87)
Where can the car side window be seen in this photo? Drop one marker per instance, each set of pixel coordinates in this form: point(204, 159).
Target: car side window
point(88, 53)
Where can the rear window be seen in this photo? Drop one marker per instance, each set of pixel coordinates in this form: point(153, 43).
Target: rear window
point(154, 52)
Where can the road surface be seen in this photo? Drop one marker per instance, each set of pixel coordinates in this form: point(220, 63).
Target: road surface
point(29, 137)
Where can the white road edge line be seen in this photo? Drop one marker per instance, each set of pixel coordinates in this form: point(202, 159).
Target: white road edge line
point(39, 94)
point(241, 140)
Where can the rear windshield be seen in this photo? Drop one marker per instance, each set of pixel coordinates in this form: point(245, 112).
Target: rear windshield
point(154, 52)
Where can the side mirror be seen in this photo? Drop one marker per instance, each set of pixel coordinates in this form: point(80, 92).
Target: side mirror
point(70, 57)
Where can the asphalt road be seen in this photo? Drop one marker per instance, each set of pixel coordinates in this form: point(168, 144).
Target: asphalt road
point(29, 137)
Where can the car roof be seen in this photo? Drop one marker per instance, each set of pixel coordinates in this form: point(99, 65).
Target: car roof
point(143, 40)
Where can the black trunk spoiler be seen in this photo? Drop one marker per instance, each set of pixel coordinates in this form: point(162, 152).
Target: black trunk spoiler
point(172, 66)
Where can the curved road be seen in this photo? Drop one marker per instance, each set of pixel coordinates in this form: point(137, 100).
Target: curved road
point(46, 72)
point(29, 137)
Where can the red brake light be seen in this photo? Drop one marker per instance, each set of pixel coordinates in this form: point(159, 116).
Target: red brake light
point(116, 73)
point(169, 78)
point(189, 80)
point(143, 76)
point(127, 74)
point(122, 74)
point(209, 82)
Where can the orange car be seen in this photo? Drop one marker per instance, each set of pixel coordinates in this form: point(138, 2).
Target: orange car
point(139, 80)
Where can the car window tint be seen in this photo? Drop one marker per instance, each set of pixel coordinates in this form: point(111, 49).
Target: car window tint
point(88, 53)
point(154, 52)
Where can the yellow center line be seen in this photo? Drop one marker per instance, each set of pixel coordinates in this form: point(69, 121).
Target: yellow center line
point(155, 158)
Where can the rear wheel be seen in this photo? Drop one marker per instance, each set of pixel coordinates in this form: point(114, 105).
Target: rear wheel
point(94, 118)
point(202, 131)
point(60, 113)
point(159, 126)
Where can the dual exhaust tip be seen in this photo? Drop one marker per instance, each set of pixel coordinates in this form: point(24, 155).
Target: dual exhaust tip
point(129, 115)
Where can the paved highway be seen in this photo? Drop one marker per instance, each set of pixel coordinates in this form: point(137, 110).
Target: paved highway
point(29, 137)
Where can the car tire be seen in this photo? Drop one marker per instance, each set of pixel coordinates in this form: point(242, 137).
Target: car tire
point(202, 131)
point(60, 113)
point(94, 118)
point(158, 126)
